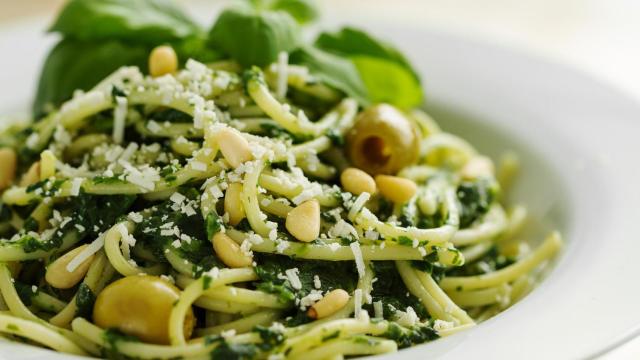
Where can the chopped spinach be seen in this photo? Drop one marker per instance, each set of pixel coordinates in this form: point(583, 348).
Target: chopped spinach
point(85, 298)
point(332, 275)
point(406, 337)
point(490, 262)
point(228, 351)
point(475, 198)
point(390, 289)
point(270, 337)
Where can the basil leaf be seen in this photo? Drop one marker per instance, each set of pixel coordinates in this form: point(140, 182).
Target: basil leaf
point(333, 70)
point(141, 21)
point(353, 42)
point(388, 82)
point(254, 38)
point(74, 64)
point(386, 73)
point(304, 11)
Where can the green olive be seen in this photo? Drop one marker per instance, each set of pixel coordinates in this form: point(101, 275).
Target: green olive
point(140, 305)
point(383, 140)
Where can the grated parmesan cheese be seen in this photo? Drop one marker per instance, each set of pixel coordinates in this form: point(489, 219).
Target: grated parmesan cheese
point(292, 276)
point(357, 254)
point(75, 186)
point(119, 117)
point(91, 249)
point(378, 310)
point(357, 302)
point(358, 204)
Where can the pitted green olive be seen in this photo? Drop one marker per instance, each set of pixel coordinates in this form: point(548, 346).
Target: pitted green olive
point(383, 140)
point(140, 305)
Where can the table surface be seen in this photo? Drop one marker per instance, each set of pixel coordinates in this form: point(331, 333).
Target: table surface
point(600, 37)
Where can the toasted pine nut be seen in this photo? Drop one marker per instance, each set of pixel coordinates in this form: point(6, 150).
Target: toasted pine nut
point(357, 181)
point(162, 60)
point(329, 304)
point(303, 222)
point(229, 252)
point(8, 161)
point(47, 164)
point(234, 147)
point(59, 277)
point(233, 204)
point(478, 166)
point(32, 175)
point(396, 189)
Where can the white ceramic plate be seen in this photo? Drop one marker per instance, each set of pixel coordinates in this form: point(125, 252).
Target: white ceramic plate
point(579, 143)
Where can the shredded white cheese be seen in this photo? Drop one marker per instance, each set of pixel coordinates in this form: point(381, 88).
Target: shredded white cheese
point(357, 254)
point(91, 249)
point(292, 276)
point(357, 302)
point(75, 186)
point(119, 118)
point(378, 310)
point(358, 204)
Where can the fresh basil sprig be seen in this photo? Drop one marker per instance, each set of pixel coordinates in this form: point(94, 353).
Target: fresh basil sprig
point(335, 71)
point(253, 37)
point(386, 73)
point(140, 21)
point(99, 36)
point(304, 11)
point(74, 64)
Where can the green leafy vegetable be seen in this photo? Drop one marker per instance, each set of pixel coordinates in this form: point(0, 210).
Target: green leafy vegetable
point(304, 11)
point(475, 197)
point(492, 261)
point(354, 42)
point(390, 289)
point(333, 70)
point(406, 337)
point(25, 292)
point(254, 38)
point(271, 338)
point(155, 231)
point(386, 73)
point(388, 82)
point(140, 21)
point(85, 298)
point(332, 275)
point(74, 64)
point(228, 351)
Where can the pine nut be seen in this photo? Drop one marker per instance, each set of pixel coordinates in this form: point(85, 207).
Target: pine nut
point(32, 175)
point(303, 222)
point(357, 181)
point(163, 60)
point(229, 252)
point(397, 189)
point(57, 274)
point(47, 164)
point(233, 204)
point(234, 147)
point(479, 166)
point(329, 304)
point(8, 162)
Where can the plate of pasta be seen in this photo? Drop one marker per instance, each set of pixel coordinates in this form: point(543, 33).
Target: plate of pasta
point(237, 191)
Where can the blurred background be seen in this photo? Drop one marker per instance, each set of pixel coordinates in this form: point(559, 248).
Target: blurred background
point(601, 37)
